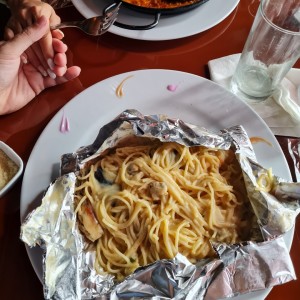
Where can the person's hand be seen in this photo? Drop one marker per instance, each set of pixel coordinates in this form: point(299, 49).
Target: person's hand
point(23, 14)
point(20, 80)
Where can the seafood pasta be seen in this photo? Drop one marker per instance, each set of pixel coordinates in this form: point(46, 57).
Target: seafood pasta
point(139, 204)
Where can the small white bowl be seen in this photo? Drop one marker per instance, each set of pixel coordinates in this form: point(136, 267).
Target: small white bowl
point(16, 158)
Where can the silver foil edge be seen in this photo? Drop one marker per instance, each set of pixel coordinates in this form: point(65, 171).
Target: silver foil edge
point(177, 278)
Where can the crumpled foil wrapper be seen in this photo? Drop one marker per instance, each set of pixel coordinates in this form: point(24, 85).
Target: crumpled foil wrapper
point(239, 268)
point(294, 151)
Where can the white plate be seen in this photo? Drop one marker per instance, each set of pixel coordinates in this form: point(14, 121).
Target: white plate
point(196, 100)
point(169, 27)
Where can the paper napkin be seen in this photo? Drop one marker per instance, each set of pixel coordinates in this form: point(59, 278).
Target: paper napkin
point(281, 111)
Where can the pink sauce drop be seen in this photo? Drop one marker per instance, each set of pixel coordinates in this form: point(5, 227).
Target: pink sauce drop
point(172, 87)
point(64, 124)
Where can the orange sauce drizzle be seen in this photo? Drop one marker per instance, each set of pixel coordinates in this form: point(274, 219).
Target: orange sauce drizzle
point(257, 139)
point(119, 89)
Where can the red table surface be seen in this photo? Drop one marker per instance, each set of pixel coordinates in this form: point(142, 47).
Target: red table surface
point(100, 58)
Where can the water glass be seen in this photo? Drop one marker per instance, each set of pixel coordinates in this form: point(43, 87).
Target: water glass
point(271, 49)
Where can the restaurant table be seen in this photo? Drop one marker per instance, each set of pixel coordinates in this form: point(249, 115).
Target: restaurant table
point(99, 58)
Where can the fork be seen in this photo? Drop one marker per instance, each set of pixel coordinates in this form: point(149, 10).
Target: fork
point(96, 25)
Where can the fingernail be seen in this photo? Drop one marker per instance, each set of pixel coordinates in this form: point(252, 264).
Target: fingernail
point(51, 74)
point(42, 71)
point(24, 60)
point(50, 63)
point(62, 34)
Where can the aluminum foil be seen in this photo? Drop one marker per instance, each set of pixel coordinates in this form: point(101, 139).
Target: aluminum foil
point(239, 268)
point(294, 151)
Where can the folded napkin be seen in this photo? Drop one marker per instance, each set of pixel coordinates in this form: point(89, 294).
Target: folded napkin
point(281, 111)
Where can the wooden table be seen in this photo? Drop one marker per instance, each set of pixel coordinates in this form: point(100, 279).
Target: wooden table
point(110, 55)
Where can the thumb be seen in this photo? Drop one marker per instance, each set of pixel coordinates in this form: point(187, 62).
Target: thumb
point(29, 36)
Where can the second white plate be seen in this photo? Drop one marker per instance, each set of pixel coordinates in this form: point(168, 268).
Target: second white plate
point(169, 27)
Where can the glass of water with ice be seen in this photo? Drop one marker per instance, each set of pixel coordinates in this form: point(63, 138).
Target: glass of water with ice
point(271, 49)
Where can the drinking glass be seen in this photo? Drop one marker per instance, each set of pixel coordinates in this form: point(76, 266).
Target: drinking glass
point(271, 49)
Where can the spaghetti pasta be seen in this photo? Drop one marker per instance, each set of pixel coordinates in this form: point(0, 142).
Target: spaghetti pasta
point(154, 201)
